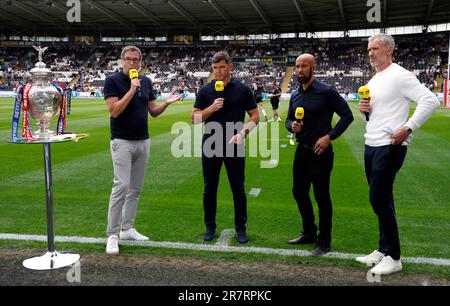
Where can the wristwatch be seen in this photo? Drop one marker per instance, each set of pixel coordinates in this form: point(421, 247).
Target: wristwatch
point(408, 129)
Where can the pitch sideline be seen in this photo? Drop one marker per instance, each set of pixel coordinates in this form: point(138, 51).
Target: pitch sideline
point(219, 247)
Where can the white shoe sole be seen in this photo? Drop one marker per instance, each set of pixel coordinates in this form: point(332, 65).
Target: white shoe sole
point(112, 252)
point(130, 238)
point(367, 262)
point(374, 271)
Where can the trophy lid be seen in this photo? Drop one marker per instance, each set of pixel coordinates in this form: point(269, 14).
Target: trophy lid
point(40, 70)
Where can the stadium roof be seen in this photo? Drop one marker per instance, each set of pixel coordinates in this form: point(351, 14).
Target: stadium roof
point(211, 17)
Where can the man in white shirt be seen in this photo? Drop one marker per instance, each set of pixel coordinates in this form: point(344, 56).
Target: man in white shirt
point(388, 132)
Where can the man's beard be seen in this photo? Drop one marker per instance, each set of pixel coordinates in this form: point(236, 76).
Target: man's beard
point(304, 79)
point(379, 62)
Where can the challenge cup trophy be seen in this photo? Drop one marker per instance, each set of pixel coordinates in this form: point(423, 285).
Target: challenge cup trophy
point(44, 99)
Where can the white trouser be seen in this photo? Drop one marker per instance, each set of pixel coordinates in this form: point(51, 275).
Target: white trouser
point(130, 162)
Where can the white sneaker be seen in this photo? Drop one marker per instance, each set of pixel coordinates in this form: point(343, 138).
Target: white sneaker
point(271, 120)
point(279, 119)
point(112, 246)
point(387, 266)
point(292, 142)
point(132, 234)
point(372, 259)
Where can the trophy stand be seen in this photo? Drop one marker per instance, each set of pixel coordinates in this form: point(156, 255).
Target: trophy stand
point(52, 259)
point(43, 101)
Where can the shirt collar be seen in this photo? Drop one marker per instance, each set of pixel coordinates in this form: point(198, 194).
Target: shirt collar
point(312, 86)
point(123, 75)
point(232, 81)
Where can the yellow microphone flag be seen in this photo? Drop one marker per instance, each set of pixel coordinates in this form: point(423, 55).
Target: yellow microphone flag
point(219, 86)
point(299, 113)
point(133, 73)
point(364, 92)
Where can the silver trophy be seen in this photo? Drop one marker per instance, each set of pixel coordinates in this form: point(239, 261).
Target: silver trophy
point(44, 98)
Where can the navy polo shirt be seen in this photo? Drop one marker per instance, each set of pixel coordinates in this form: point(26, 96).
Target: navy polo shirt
point(320, 102)
point(132, 123)
point(238, 99)
point(275, 91)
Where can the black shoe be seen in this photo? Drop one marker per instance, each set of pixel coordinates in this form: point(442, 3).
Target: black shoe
point(242, 237)
point(209, 235)
point(303, 240)
point(321, 250)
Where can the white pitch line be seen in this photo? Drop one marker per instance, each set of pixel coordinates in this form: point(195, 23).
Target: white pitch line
point(214, 248)
point(225, 237)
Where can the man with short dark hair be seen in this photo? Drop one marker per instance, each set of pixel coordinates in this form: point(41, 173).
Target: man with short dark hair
point(222, 109)
point(129, 103)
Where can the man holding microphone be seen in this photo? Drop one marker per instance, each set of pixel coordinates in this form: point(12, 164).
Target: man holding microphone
point(313, 161)
point(224, 102)
point(130, 98)
point(388, 132)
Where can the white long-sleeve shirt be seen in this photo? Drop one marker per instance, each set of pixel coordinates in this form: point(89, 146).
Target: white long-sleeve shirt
point(391, 92)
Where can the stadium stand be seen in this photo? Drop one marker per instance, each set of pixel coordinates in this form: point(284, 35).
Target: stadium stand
point(342, 63)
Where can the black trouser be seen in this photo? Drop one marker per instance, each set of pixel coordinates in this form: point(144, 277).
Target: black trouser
point(235, 167)
point(382, 164)
point(310, 168)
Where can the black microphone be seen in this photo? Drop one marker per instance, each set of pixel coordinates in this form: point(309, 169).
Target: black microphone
point(133, 73)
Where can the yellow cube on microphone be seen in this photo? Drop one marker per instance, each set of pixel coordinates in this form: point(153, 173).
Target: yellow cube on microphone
point(219, 86)
point(299, 113)
point(133, 73)
point(364, 92)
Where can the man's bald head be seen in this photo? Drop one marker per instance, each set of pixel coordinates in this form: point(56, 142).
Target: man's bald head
point(305, 65)
point(307, 58)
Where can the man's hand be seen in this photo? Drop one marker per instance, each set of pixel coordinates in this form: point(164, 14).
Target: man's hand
point(399, 136)
point(173, 97)
point(364, 106)
point(237, 139)
point(296, 126)
point(135, 84)
point(322, 144)
point(217, 104)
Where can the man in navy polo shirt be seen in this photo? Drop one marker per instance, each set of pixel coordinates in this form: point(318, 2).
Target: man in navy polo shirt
point(219, 109)
point(314, 156)
point(129, 102)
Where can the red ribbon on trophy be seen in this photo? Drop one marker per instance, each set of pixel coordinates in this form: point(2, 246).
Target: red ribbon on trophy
point(22, 103)
point(26, 125)
point(61, 125)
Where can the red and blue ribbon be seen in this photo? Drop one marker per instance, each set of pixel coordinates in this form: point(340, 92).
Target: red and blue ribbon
point(16, 113)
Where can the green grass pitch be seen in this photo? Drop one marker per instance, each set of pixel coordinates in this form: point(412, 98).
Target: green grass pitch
point(170, 207)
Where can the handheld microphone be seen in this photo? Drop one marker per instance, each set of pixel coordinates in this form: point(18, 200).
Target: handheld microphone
point(133, 73)
point(219, 87)
point(299, 114)
point(364, 94)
